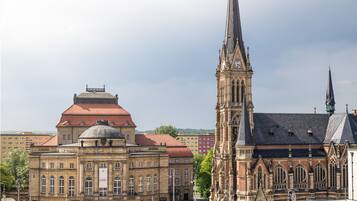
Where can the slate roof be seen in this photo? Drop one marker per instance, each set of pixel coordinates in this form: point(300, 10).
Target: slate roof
point(244, 132)
point(284, 153)
point(295, 129)
point(275, 129)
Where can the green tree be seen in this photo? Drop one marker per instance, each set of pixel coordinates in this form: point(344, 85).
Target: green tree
point(17, 168)
point(167, 129)
point(6, 180)
point(204, 177)
point(197, 160)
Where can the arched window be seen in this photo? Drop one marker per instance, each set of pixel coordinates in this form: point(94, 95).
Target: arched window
point(117, 186)
point(155, 183)
point(71, 185)
point(52, 184)
point(141, 185)
point(233, 92)
point(43, 184)
point(88, 186)
point(332, 171)
point(148, 183)
point(319, 177)
point(131, 186)
point(238, 92)
point(300, 181)
point(260, 178)
point(279, 178)
point(344, 175)
point(242, 91)
point(61, 185)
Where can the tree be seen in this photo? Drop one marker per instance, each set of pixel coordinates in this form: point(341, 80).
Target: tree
point(204, 177)
point(197, 160)
point(17, 168)
point(6, 180)
point(167, 129)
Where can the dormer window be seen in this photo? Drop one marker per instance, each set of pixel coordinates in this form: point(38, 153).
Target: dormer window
point(290, 132)
point(309, 132)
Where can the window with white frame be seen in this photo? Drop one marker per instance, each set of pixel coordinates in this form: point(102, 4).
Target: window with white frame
point(61, 185)
point(131, 186)
point(155, 183)
point(52, 184)
point(279, 181)
point(71, 186)
point(117, 186)
point(300, 181)
point(88, 186)
point(43, 184)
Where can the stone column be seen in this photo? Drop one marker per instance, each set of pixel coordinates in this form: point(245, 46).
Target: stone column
point(311, 180)
point(291, 180)
point(270, 181)
point(338, 180)
point(80, 180)
point(110, 179)
point(96, 174)
point(125, 177)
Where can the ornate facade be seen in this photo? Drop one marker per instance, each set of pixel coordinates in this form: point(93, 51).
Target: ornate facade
point(261, 156)
point(97, 156)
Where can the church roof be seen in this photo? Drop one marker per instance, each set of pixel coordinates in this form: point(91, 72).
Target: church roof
point(244, 132)
point(295, 129)
point(289, 128)
point(284, 153)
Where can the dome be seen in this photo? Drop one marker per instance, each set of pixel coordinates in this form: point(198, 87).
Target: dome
point(101, 130)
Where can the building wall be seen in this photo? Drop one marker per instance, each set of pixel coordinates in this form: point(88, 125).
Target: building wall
point(69, 134)
point(181, 172)
point(198, 143)
point(20, 141)
point(82, 163)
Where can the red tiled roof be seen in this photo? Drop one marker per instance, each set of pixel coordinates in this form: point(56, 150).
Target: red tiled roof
point(95, 109)
point(88, 114)
point(53, 141)
point(156, 139)
point(174, 147)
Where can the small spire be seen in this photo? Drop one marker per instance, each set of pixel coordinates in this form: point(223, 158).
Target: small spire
point(315, 110)
point(244, 132)
point(233, 35)
point(330, 96)
point(347, 108)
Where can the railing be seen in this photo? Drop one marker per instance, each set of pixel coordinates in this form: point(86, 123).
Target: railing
point(281, 186)
point(300, 186)
point(320, 185)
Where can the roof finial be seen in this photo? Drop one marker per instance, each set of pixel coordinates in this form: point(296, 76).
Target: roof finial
point(314, 110)
point(347, 108)
point(330, 96)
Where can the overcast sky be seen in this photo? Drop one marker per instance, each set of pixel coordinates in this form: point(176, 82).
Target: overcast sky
point(160, 57)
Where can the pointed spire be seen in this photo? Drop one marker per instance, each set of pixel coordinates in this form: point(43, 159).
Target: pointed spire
point(330, 96)
point(233, 36)
point(244, 132)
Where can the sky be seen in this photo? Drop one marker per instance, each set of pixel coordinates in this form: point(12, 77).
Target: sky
point(160, 57)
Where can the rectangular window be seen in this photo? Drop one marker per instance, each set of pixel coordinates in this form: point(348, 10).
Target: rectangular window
point(71, 165)
point(43, 165)
point(52, 165)
point(61, 165)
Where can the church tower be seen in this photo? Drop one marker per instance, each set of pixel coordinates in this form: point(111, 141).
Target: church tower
point(234, 113)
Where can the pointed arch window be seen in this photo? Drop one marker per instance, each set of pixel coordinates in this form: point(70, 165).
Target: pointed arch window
point(279, 182)
point(260, 178)
point(345, 175)
point(300, 181)
point(238, 92)
point(332, 174)
point(242, 92)
point(233, 91)
point(320, 177)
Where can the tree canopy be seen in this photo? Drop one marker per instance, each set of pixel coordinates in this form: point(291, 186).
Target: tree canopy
point(167, 129)
point(203, 180)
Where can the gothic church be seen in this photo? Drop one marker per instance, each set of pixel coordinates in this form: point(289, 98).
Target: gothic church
point(264, 156)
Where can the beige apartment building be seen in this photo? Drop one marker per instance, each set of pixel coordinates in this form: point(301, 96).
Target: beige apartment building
point(107, 160)
point(197, 143)
point(21, 141)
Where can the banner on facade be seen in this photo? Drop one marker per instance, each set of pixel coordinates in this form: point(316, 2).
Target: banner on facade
point(103, 177)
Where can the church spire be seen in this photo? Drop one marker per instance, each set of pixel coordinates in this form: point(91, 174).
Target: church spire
point(233, 36)
point(330, 96)
point(244, 133)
